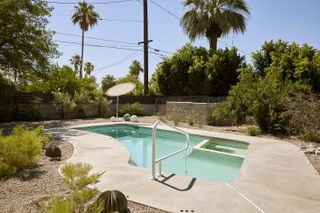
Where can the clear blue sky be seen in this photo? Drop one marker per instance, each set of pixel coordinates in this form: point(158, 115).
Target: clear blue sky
point(289, 20)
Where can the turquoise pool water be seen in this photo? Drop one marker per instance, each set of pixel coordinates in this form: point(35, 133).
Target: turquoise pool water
point(194, 163)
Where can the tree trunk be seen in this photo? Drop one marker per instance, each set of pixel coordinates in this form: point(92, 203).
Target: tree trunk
point(213, 39)
point(82, 47)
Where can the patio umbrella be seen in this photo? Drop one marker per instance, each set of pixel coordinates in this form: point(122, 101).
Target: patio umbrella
point(118, 90)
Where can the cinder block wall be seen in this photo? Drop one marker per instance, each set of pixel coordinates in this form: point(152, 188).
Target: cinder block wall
point(198, 112)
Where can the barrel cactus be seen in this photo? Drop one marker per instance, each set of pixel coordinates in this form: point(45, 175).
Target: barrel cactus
point(114, 201)
point(127, 117)
point(53, 151)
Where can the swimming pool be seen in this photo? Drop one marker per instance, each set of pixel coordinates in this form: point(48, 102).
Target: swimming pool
point(197, 163)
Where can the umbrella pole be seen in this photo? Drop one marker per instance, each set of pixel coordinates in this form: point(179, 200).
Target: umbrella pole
point(117, 106)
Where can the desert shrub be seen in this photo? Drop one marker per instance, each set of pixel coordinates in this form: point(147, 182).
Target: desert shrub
point(175, 114)
point(253, 131)
point(101, 101)
point(303, 112)
point(62, 103)
point(132, 109)
point(80, 99)
point(268, 104)
point(240, 100)
point(78, 178)
point(21, 149)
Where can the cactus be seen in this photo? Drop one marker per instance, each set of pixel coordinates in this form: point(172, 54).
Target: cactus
point(53, 151)
point(114, 201)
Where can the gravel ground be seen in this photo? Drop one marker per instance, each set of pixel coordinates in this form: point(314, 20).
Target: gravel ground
point(18, 193)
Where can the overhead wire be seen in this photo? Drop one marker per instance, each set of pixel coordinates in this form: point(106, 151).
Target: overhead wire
point(106, 19)
point(97, 45)
point(98, 39)
point(119, 62)
point(101, 3)
point(164, 9)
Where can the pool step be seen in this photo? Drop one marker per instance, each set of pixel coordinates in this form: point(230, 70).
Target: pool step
point(217, 148)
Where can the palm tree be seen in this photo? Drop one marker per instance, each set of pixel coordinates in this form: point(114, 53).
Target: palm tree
point(86, 17)
point(135, 68)
point(214, 18)
point(88, 68)
point(75, 61)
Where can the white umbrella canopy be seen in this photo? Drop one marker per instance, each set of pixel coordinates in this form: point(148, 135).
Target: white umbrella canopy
point(118, 90)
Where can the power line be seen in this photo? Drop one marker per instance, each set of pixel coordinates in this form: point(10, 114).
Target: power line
point(119, 62)
point(74, 2)
point(97, 45)
point(164, 9)
point(122, 20)
point(158, 50)
point(105, 19)
point(246, 53)
point(98, 39)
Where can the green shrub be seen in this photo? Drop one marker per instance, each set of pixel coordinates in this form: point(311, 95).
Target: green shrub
point(132, 109)
point(78, 178)
point(240, 100)
point(21, 149)
point(253, 131)
point(63, 102)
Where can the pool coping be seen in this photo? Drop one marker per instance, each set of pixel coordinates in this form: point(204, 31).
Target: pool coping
point(247, 192)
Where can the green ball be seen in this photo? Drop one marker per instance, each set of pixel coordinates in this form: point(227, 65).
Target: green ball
point(127, 117)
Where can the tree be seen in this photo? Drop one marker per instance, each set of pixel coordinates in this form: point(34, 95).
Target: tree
point(62, 79)
point(107, 82)
point(214, 18)
point(76, 61)
point(135, 68)
point(138, 90)
point(196, 71)
point(88, 68)
point(26, 45)
point(86, 17)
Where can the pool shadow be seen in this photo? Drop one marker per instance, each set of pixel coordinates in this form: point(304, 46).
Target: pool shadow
point(166, 178)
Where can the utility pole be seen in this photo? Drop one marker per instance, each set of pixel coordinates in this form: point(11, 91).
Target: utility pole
point(146, 48)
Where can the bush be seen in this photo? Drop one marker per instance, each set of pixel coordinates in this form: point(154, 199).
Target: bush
point(197, 71)
point(240, 100)
point(21, 149)
point(303, 112)
point(175, 114)
point(132, 109)
point(78, 178)
point(63, 102)
point(252, 131)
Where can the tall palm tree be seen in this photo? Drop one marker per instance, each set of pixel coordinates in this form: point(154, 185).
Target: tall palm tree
point(88, 68)
point(75, 61)
point(86, 17)
point(214, 18)
point(135, 68)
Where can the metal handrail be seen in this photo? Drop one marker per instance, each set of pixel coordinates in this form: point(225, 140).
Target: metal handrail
point(154, 161)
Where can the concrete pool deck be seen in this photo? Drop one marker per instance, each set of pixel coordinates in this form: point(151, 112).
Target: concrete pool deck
point(275, 177)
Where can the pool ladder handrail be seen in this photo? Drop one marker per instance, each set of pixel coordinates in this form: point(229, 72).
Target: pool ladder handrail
point(154, 161)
